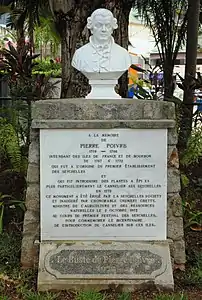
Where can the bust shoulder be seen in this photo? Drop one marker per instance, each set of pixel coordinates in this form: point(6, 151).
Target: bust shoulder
point(80, 55)
point(122, 55)
point(83, 48)
point(120, 49)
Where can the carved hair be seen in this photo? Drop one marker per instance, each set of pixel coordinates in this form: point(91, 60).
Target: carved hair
point(101, 12)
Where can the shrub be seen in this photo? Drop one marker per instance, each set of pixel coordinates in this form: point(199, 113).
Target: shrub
point(10, 247)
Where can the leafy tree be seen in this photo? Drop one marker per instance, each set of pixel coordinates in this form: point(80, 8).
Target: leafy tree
point(22, 11)
point(168, 23)
point(46, 33)
point(190, 71)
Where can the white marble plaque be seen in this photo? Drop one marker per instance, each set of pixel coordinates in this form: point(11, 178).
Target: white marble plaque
point(103, 184)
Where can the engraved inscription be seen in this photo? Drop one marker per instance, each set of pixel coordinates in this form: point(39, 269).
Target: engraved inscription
point(103, 184)
point(105, 262)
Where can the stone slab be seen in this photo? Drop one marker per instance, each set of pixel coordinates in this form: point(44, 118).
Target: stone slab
point(98, 266)
point(89, 109)
point(103, 184)
point(78, 124)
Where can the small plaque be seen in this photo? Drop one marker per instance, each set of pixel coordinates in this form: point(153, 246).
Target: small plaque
point(103, 184)
point(95, 263)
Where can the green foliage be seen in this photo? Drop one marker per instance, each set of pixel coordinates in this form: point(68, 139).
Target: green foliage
point(9, 144)
point(46, 33)
point(10, 247)
point(168, 23)
point(90, 295)
point(18, 64)
point(191, 215)
point(48, 68)
point(171, 297)
point(194, 148)
point(147, 88)
point(30, 295)
point(12, 162)
point(194, 276)
point(184, 180)
point(51, 73)
point(46, 65)
point(191, 156)
point(124, 296)
point(25, 281)
point(4, 298)
point(24, 85)
point(17, 115)
point(7, 201)
point(142, 88)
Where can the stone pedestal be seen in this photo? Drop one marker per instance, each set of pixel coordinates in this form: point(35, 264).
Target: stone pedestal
point(84, 266)
point(155, 267)
point(103, 89)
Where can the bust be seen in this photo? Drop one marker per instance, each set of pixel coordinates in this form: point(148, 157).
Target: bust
point(101, 54)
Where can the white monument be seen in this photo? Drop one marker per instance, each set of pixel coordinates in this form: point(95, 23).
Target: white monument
point(101, 177)
point(102, 61)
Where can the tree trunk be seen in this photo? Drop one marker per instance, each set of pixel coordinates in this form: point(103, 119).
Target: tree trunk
point(74, 83)
point(121, 11)
point(31, 41)
point(71, 17)
point(69, 32)
point(20, 38)
point(168, 79)
point(190, 69)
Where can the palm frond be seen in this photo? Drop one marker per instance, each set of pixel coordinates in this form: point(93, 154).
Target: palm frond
point(167, 21)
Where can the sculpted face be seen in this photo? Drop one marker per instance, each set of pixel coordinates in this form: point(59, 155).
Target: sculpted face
point(102, 28)
point(101, 60)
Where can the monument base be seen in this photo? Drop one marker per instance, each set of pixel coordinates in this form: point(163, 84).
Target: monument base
point(103, 89)
point(100, 265)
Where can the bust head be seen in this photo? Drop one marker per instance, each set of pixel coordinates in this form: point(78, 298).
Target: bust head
point(101, 60)
point(102, 24)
